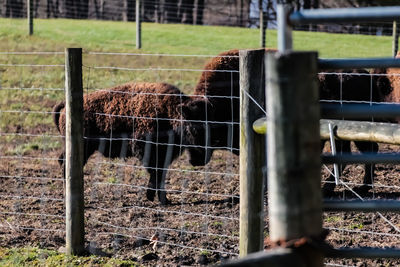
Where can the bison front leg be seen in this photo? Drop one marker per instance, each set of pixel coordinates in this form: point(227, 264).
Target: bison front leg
point(156, 184)
point(61, 162)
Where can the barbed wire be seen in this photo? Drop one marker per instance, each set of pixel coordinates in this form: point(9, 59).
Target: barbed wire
point(31, 177)
point(31, 197)
point(13, 227)
point(105, 162)
point(32, 89)
point(169, 212)
point(362, 232)
point(170, 190)
point(338, 265)
point(33, 214)
point(30, 65)
point(170, 244)
point(159, 69)
point(181, 230)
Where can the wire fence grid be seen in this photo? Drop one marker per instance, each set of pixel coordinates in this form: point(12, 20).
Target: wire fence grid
point(226, 13)
point(118, 214)
point(203, 218)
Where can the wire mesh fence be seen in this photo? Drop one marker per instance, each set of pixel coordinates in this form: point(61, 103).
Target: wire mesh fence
point(211, 12)
point(32, 204)
point(202, 220)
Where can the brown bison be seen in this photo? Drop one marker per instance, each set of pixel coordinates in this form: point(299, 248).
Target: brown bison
point(151, 121)
point(220, 84)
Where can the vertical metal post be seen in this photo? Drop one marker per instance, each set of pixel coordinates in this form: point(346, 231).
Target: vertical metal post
point(284, 28)
point(125, 10)
point(294, 164)
point(395, 44)
point(252, 153)
point(262, 24)
point(74, 200)
point(138, 26)
point(29, 15)
point(333, 149)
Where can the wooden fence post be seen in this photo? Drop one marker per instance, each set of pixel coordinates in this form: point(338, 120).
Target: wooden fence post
point(138, 26)
point(294, 155)
point(395, 43)
point(74, 200)
point(252, 152)
point(29, 15)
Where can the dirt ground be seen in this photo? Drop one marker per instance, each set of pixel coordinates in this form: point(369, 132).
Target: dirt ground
point(199, 227)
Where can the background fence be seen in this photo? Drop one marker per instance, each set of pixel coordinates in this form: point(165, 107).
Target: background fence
point(243, 13)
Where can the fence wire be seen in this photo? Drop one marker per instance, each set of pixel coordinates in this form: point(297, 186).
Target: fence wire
point(203, 215)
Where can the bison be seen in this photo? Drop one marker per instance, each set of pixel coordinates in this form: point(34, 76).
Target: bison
point(219, 83)
point(153, 122)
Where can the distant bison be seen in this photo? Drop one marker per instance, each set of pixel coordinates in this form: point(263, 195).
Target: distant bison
point(354, 85)
point(392, 84)
point(219, 82)
point(151, 121)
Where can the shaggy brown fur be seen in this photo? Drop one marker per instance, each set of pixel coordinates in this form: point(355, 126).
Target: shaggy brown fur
point(219, 82)
point(353, 88)
point(138, 115)
point(393, 86)
point(394, 78)
point(226, 84)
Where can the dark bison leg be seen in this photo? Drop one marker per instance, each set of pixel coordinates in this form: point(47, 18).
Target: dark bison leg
point(156, 184)
point(151, 192)
point(61, 159)
point(368, 147)
point(88, 149)
point(161, 158)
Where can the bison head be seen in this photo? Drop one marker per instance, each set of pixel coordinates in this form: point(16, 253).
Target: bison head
point(197, 115)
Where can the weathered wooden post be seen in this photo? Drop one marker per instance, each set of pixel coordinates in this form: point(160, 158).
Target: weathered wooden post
point(29, 15)
point(74, 152)
point(252, 151)
point(138, 26)
point(395, 44)
point(294, 182)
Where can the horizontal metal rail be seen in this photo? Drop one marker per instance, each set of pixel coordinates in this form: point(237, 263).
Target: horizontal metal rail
point(362, 206)
point(348, 158)
point(358, 110)
point(352, 63)
point(291, 257)
point(367, 253)
point(345, 15)
point(272, 257)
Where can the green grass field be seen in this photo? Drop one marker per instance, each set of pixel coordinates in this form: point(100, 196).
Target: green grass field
point(108, 36)
point(56, 34)
point(41, 257)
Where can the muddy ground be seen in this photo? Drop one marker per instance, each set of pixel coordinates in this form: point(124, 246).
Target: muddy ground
point(199, 227)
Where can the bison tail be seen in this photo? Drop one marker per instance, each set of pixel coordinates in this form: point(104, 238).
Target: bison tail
point(56, 114)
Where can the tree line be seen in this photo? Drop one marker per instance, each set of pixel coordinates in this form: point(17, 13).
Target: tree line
point(164, 11)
